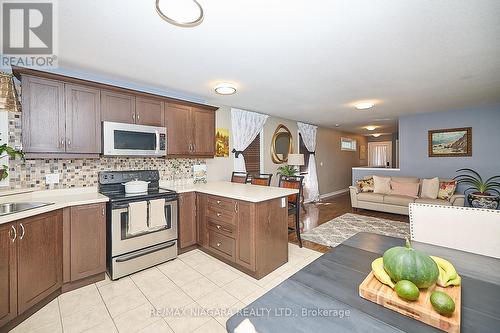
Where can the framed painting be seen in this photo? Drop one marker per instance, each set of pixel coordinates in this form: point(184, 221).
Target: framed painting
point(222, 142)
point(362, 152)
point(451, 142)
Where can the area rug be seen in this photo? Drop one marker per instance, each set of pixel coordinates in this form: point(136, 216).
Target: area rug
point(334, 232)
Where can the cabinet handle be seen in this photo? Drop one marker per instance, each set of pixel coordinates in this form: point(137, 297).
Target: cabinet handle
point(103, 211)
point(218, 227)
point(236, 207)
point(13, 234)
point(62, 144)
point(138, 117)
point(219, 214)
point(219, 244)
point(218, 202)
point(69, 142)
point(133, 116)
point(23, 231)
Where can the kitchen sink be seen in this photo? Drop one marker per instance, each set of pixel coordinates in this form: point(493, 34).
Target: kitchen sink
point(16, 207)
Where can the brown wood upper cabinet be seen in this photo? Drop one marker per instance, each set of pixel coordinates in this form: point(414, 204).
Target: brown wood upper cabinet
point(88, 241)
point(60, 118)
point(190, 130)
point(130, 109)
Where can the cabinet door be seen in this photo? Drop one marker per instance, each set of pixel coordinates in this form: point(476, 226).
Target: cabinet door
point(8, 274)
point(179, 129)
point(201, 215)
point(245, 238)
point(83, 119)
point(203, 132)
point(149, 112)
point(117, 107)
point(187, 219)
point(39, 258)
point(88, 240)
point(43, 115)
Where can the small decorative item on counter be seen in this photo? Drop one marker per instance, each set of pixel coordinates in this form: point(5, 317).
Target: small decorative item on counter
point(175, 166)
point(200, 173)
point(481, 193)
point(10, 152)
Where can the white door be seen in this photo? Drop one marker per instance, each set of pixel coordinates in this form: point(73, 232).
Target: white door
point(380, 154)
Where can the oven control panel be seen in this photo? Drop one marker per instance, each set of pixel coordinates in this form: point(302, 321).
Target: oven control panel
point(118, 177)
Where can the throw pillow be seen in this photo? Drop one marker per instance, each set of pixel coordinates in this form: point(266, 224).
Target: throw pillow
point(430, 188)
point(446, 189)
point(407, 189)
point(365, 185)
point(381, 185)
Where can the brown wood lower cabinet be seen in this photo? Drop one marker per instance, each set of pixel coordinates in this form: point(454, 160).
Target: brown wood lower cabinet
point(87, 241)
point(252, 237)
point(8, 273)
point(39, 258)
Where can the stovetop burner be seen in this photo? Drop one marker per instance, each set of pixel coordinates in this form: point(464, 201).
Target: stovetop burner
point(111, 185)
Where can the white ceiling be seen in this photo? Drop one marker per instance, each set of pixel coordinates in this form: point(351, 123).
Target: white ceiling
point(298, 59)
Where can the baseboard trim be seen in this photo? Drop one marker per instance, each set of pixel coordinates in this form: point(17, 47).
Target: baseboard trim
point(331, 194)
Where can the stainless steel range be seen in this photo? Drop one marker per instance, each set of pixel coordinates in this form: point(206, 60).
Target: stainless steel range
point(141, 227)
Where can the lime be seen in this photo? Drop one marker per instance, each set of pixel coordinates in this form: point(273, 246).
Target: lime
point(407, 290)
point(442, 303)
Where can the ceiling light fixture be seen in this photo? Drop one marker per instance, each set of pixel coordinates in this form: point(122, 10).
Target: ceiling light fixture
point(364, 105)
point(371, 128)
point(376, 135)
point(225, 88)
point(184, 20)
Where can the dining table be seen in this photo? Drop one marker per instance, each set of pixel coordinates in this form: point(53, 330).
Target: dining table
point(324, 296)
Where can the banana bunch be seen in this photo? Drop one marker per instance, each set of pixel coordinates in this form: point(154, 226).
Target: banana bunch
point(380, 273)
point(447, 273)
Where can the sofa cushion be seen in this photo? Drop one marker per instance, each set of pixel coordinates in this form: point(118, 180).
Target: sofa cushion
point(446, 189)
point(381, 184)
point(405, 179)
point(372, 197)
point(430, 188)
point(408, 189)
point(433, 201)
point(398, 200)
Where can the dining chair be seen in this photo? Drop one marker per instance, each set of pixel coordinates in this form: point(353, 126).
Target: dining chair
point(263, 179)
point(239, 177)
point(293, 182)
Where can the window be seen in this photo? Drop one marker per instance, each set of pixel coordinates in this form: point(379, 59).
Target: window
point(303, 150)
point(347, 144)
point(252, 156)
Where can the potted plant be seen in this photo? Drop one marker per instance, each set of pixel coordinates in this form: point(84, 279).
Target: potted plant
point(287, 170)
point(12, 153)
point(485, 194)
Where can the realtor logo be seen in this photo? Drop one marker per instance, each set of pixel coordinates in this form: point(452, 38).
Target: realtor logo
point(28, 34)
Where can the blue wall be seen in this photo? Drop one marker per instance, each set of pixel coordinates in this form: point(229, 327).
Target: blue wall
point(413, 132)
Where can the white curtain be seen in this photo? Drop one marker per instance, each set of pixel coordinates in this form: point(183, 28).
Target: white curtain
point(308, 133)
point(245, 126)
point(378, 155)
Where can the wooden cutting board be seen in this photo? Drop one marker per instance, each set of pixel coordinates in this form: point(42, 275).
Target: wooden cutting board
point(421, 309)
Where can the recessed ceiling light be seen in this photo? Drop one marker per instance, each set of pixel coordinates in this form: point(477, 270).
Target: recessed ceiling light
point(371, 128)
point(376, 135)
point(364, 105)
point(225, 88)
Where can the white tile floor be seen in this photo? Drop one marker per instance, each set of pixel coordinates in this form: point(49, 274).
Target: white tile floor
point(190, 294)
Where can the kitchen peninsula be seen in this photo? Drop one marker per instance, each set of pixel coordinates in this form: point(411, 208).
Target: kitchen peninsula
point(241, 224)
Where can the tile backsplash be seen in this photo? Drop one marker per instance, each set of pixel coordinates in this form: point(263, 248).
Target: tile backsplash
point(80, 172)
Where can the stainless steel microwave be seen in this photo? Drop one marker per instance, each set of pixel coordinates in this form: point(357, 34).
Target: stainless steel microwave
point(133, 140)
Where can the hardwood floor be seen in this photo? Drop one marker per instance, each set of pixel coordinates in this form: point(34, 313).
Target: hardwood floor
point(328, 209)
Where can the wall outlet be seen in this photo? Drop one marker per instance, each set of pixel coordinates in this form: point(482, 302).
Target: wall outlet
point(52, 178)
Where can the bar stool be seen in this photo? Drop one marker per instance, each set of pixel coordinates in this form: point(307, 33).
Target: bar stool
point(294, 182)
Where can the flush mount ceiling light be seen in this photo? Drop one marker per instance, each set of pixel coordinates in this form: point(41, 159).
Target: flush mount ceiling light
point(371, 128)
point(376, 135)
point(364, 105)
point(225, 88)
point(182, 13)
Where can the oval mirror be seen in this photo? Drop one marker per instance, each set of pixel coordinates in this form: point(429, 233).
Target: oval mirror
point(281, 144)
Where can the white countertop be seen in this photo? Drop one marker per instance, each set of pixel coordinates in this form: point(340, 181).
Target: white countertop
point(245, 192)
point(59, 199)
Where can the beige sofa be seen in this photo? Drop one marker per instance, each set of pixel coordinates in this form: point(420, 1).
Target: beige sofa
point(397, 204)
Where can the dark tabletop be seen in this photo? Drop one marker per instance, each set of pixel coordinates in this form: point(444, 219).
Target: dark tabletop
point(324, 296)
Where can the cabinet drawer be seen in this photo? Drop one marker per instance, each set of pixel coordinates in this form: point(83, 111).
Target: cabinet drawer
point(222, 228)
point(221, 244)
point(218, 203)
point(221, 215)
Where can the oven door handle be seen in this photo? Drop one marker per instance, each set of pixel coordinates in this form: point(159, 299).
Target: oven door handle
point(157, 151)
point(145, 251)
